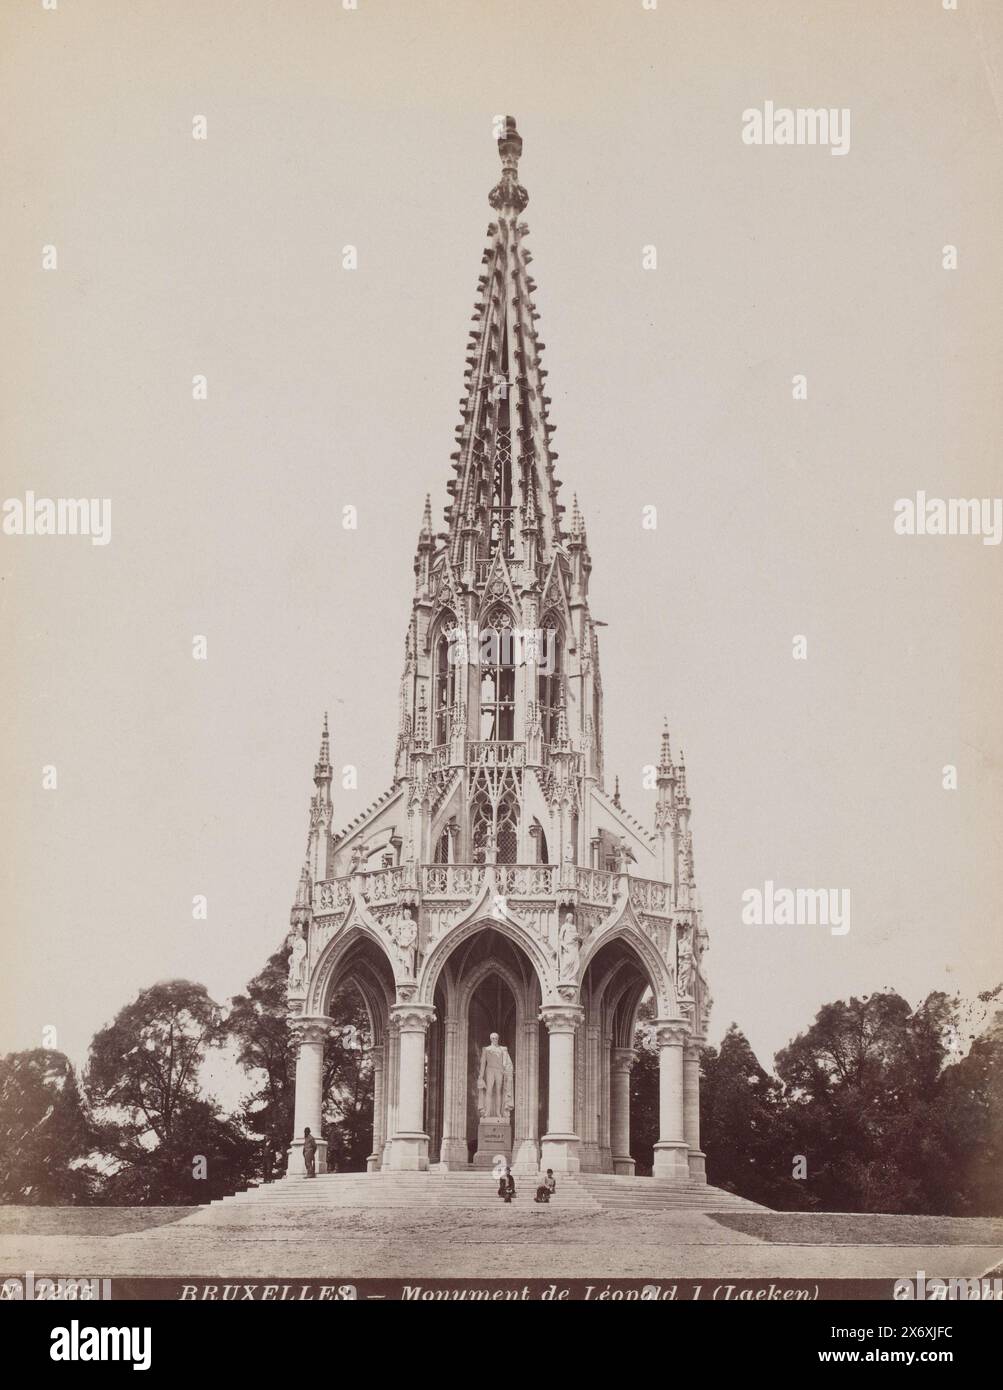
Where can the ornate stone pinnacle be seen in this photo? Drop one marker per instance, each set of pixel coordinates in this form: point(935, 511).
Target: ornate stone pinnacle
point(509, 195)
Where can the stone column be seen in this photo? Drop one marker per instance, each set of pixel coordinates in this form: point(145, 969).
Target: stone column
point(409, 1146)
point(560, 1145)
point(453, 1152)
point(391, 1077)
point(374, 1159)
point(526, 1158)
point(622, 1061)
point(308, 1038)
point(434, 1088)
point(605, 1104)
point(589, 1123)
point(670, 1151)
point(691, 1109)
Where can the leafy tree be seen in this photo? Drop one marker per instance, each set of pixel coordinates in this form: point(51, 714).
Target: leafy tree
point(862, 1087)
point(156, 1126)
point(965, 1178)
point(743, 1126)
point(348, 1085)
point(45, 1133)
point(258, 1024)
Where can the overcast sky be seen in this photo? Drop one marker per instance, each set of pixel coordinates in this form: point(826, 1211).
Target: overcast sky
point(671, 387)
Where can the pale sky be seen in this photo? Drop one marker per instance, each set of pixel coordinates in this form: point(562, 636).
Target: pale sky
point(671, 387)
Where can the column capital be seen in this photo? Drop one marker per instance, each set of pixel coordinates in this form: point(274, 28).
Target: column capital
point(562, 1018)
point(671, 1032)
point(622, 1059)
point(412, 1018)
point(693, 1047)
point(306, 1028)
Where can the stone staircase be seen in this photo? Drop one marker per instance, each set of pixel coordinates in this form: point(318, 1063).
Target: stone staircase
point(580, 1194)
point(653, 1194)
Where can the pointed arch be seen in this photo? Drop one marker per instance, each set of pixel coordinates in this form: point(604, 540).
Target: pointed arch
point(462, 932)
point(497, 677)
point(335, 960)
point(550, 675)
point(446, 658)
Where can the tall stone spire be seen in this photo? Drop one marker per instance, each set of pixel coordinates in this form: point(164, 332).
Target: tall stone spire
point(321, 809)
point(505, 486)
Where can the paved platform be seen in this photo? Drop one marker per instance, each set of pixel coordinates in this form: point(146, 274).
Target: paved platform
point(335, 1240)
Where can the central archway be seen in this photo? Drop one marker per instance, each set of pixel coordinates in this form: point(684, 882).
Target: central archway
point(487, 984)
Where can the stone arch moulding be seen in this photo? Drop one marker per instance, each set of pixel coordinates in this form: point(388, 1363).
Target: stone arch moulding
point(464, 989)
point(543, 968)
point(625, 928)
point(323, 977)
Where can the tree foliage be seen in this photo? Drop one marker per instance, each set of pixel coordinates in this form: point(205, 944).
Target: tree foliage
point(45, 1134)
point(165, 1141)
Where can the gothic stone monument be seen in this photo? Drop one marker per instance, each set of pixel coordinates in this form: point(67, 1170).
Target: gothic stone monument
point(497, 887)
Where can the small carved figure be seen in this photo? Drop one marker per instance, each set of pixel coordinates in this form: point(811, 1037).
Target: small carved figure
point(568, 949)
point(297, 959)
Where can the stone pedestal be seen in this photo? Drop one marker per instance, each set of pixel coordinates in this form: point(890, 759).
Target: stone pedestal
point(453, 1154)
point(494, 1141)
point(526, 1159)
point(698, 1165)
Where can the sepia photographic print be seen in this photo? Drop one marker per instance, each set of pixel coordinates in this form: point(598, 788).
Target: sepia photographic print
point(501, 541)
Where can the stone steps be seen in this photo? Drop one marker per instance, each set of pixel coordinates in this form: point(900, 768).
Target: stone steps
point(616, 1193)
point(379, 1190)
point(581, 1193)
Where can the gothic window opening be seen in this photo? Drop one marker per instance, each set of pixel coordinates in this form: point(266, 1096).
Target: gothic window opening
point(549, 684)
point(442, 847)
point(498, 680)
point(482, 825)
point(507, 832)
point(495, 824)
point(444, 692)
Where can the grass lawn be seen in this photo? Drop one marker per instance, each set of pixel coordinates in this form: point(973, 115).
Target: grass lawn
point(86, 1221)
point(850, 1228)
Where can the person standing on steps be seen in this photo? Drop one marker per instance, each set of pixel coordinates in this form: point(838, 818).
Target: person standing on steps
point(310, 1153)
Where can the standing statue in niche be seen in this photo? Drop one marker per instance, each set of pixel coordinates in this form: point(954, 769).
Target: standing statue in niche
point(297, 959)
point(406, 939)
point(495, 1081)
point(684, 968)
point(568, 950)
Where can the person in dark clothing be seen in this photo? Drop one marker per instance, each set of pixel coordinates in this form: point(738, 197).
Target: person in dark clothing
point(506, 1186)
point(310, 1153)
point(547, 1188)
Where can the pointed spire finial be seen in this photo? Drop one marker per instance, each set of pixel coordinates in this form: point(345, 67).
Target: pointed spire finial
point(509, 194)
point(616, 791)
point(322, 768)
point(665, 756)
